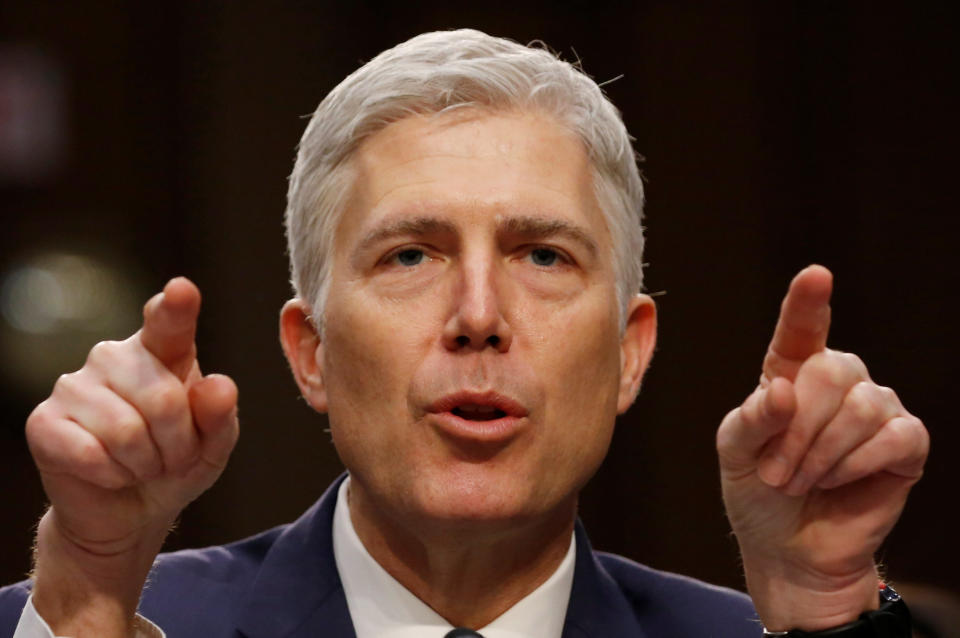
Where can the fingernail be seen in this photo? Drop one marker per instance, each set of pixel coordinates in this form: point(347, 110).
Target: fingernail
point(774, 471)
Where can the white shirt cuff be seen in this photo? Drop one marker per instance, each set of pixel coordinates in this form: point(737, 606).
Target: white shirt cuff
point(31, 625)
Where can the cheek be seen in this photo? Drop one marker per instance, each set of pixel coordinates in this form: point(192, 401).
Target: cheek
point(363, 365)
point(581, 364)
point(581, 347)
point(371, 352)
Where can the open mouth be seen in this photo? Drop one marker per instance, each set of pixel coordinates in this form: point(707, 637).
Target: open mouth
point(478, 412)
point(479, 418)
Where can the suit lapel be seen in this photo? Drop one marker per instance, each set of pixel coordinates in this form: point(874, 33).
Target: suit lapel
point(297, 592)
point(598, 608)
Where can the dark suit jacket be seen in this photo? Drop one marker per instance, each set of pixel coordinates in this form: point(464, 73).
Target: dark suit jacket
point(284, 583)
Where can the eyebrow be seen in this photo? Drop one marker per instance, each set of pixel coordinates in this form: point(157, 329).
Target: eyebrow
point(529, 226)
point(415, 226)
point(542, 228)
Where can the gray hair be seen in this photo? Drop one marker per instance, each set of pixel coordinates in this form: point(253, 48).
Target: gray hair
point(438, 72)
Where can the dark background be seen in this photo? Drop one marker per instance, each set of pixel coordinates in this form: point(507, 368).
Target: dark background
point(775, 134)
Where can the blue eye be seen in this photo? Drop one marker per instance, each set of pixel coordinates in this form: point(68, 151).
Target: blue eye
point(409, 257)
point(544, 256)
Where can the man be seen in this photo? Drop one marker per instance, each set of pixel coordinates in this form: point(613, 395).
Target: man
point(464, 233)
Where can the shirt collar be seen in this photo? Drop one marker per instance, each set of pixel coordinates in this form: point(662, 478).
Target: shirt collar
point(381, 607)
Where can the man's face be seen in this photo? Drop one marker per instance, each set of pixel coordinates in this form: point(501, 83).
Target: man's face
point(472, 360)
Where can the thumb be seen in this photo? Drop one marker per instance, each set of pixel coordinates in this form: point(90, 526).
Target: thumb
point(213, 400)
point(750, 428)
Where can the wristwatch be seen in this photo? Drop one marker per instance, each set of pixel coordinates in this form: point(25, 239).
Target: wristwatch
point(892, 620)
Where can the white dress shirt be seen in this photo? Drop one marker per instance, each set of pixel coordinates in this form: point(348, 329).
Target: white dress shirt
point(31, 625)
point(380, 607)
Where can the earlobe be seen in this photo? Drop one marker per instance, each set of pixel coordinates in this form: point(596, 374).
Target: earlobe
point(636, 348)
point(304, 351)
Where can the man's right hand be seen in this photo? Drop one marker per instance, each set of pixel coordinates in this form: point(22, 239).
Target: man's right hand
point(123, 445)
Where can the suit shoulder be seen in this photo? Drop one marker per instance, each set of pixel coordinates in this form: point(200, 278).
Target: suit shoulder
point(682, 602)
point(191, 582)
point(12, 600)
point(218, 562)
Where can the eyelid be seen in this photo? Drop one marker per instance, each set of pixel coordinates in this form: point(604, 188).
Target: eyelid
point(562, 255)
point(392, 254)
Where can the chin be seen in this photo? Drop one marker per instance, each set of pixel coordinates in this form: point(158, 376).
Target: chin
point(478, 500)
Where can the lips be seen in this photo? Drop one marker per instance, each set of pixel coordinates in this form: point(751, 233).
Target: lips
point(478, 405)
point(478, 416)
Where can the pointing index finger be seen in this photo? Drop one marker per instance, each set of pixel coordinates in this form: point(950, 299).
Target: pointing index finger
point(803, 324)
point(170, 325)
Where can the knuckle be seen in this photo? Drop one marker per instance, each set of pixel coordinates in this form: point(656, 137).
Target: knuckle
point(888, 396)
point(819, 362)
point(67, 384)
point(902, 434)
point(864, 402)
point(104, 353)
point(823, 365)
point(39, 433)
point(923, 443)
point(38, 419)
point(128, 436)
point(834, 368)
point(855, 362)
point(838, 371)
point(914, 435)
point(89, 457)
point(166, 402)
point(724, 438)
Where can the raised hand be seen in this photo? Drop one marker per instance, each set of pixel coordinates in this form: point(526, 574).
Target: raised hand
point(815, 467)
point(122, 446)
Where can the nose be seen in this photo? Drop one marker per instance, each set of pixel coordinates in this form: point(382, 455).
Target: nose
point(477, 318)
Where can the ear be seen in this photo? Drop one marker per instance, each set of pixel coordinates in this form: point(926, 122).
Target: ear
point(304, 351)
point(636, 348)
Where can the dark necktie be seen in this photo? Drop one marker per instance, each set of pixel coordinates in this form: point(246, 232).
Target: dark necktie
point(460, 632)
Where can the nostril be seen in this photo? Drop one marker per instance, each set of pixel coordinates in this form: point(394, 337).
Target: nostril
point(492, 341)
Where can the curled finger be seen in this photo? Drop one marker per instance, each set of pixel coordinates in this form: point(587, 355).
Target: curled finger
point(865, 409)
point(118, 426)
point(141, 380)
point(62, 447)
point(821, 385)
point(900, 448)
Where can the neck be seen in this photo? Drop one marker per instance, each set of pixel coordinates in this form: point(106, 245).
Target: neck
point(503, 562)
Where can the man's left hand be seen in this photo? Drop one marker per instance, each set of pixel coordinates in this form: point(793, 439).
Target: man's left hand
point(815, 466)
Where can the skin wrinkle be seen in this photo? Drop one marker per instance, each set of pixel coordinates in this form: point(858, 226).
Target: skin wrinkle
point(534, 227)
point(431, 504)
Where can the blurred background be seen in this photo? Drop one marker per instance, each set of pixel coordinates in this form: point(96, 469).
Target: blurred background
point(139, 141)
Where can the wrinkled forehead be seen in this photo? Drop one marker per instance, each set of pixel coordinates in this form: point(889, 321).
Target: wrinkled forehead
point(502, 163)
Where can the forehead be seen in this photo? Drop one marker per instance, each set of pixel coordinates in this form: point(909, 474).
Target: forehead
point(471, 167)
